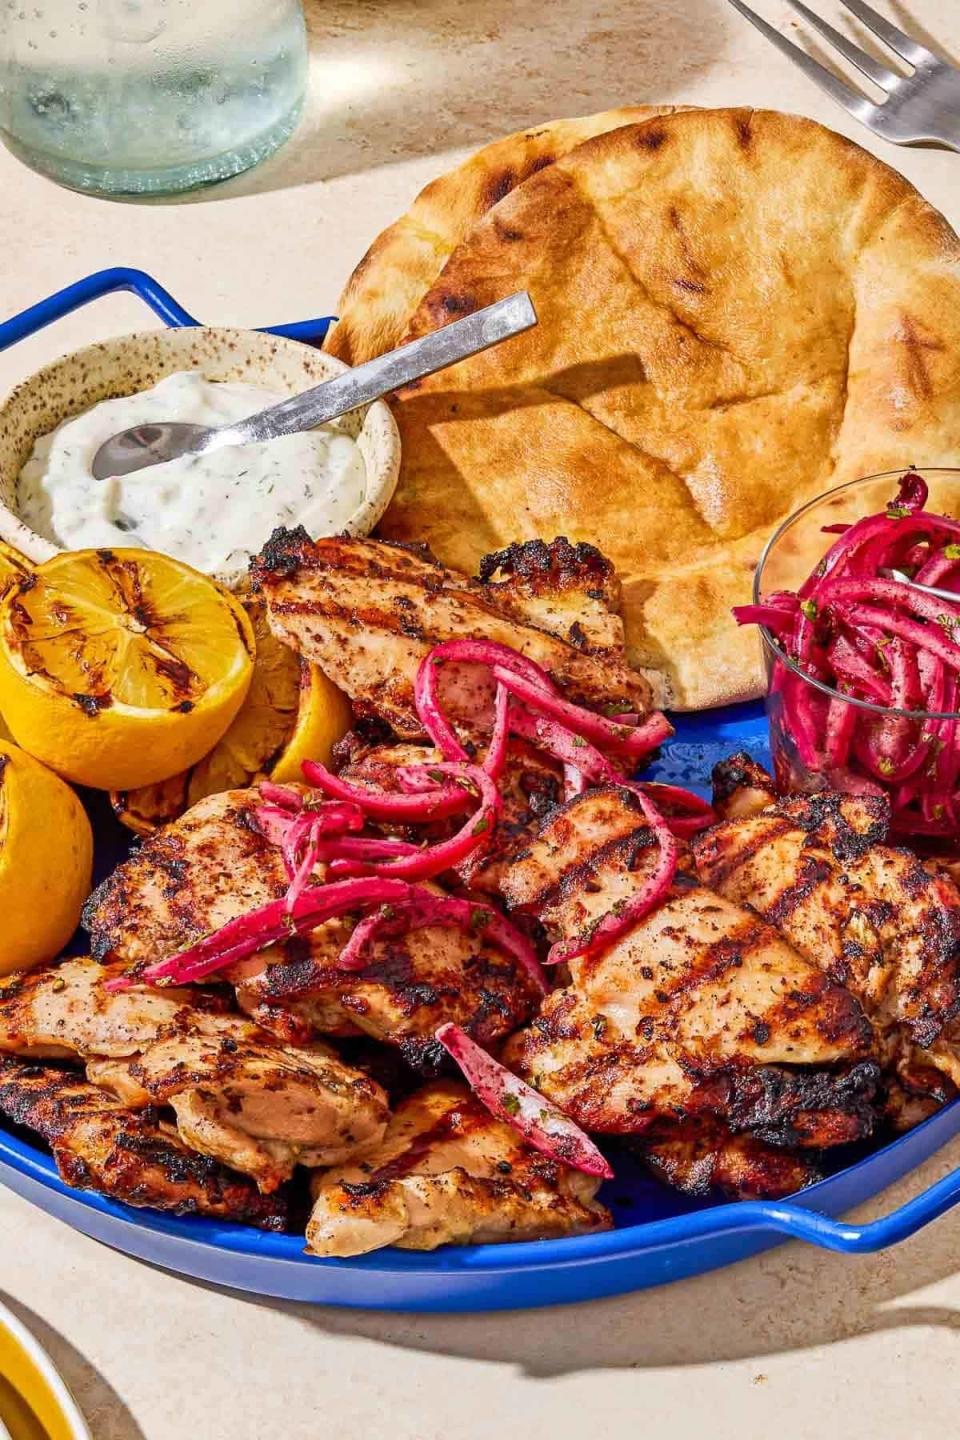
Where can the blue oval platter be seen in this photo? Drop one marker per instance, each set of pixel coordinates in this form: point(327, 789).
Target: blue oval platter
point(660, 1235)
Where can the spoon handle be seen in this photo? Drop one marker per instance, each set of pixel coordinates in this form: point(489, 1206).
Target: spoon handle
point(379, 377)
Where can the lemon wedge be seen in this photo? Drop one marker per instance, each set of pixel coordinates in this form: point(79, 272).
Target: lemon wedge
point(46, 857)
point(292, 712)
point(119, 668)
point(324, 716)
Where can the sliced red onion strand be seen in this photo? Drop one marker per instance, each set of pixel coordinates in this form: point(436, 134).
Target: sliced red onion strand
point(629, 739)
point(353, 856)
point(523, 677)
point(432, 804)
point(274, 823)
point(302, 872)
point(475, 834)
point(496, 755)
point(283, 795)
point(924, 637)
point(564, 745)
point(574, 782)
point(469, 652)
point(510, 1099)
point(270, 924)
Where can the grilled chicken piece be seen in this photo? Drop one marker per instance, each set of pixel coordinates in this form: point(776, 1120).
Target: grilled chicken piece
point(916, 1089)
point(100, 1145)
point(261, 1108)
point(741, 787)
point(698, 1008)
point(204, 869)
point(871, 916)
point(66, 1011)
point(368, 612)
point(568, 590)
point(697, 1156)
point(410, 986)
point(448, 1173)
point(239, 1096)
point(212, 864)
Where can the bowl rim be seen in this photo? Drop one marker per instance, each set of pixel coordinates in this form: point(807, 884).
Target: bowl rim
point(37, 548)
point(36, 1355)
point(768, 639)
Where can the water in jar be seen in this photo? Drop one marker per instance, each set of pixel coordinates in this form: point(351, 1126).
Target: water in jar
point(142, 96)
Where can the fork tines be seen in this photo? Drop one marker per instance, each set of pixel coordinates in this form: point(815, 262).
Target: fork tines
point(921, 105)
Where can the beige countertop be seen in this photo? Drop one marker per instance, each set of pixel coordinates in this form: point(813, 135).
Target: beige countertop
point(795, 1344)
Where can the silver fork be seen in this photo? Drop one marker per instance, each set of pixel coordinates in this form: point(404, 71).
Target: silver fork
point(922, 105)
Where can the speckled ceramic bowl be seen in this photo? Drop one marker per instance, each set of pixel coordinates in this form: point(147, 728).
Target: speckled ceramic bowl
point(135, 362)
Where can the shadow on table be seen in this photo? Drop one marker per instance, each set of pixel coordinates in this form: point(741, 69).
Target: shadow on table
point(792, 1298)
point(759, 1308)
point(396, 81)
point(104, 1411)
point(944, 44)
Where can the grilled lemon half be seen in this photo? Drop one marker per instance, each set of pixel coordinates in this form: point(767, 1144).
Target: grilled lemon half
point(119, 668)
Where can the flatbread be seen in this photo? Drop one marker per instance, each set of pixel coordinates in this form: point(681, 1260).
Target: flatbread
point(738, 309)
point(402, 263)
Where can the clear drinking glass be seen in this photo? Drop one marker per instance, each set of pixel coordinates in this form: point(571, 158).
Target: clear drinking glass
point(803, 711)
point(144, 97)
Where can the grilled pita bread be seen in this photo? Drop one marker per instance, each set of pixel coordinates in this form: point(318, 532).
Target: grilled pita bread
point(402, 263)
point(738, 309)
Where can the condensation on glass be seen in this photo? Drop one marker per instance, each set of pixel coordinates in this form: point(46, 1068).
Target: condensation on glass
point(149, 96)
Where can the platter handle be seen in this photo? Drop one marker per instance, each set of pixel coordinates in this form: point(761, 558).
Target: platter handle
point(151, 292)
point(795, 1222)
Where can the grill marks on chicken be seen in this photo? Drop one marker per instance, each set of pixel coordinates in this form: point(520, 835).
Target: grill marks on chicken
point(261, 1108)
point(699, 1008)
point(870, 915)
point(98, 1144)
point(249, 1102)
point(368, 612)
point(204, 869)
point(447, 1172)
point(64, 1012)
point(409, 986)
point(571, 591)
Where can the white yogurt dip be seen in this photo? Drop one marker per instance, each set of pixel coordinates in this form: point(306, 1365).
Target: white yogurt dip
point(213, 511)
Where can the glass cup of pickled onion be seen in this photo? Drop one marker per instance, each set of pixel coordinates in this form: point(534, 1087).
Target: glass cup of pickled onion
point(857, 598)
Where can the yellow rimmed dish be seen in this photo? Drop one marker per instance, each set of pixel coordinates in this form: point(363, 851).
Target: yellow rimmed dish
point(35, 1403)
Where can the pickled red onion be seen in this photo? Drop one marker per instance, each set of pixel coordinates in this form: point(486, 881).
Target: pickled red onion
point(510, 1099)
point(880, 640)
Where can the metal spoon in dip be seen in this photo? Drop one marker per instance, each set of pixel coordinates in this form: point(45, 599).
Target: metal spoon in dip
point(144, 445)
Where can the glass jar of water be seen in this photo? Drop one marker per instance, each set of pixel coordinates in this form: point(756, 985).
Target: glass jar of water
point(144, 97)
